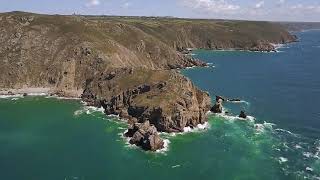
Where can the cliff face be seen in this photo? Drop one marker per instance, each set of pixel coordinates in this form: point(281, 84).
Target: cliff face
point(123, 64)
point(166, 99)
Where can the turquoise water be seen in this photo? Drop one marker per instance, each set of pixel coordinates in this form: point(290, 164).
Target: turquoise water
point(51, 139)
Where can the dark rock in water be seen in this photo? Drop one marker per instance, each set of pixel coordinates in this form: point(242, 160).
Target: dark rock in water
point(25, 94)
point(234, 100)
point(220, 97)
point(145, 136)
point(217, 108)
point(10, 93)
point(243, 115)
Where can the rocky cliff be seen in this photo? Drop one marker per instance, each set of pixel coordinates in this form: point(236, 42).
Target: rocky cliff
point(164, 97)
point(124, 64)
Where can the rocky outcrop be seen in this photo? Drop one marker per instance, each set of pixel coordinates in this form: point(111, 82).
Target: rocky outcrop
point(218, 108)
point(145, 135)
point(243, 115)
point(263, 46)
point(165, 99)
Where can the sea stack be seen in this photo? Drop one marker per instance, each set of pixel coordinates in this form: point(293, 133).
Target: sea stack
point(145, 135)
point(217, 108)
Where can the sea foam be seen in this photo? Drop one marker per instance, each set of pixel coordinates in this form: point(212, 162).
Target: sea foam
point(88, 110)
point(282, 160)
point(11, 96)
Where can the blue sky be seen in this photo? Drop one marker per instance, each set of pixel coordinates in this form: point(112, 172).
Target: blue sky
point(275, 10)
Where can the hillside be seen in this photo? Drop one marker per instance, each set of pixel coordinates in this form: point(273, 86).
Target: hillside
point(125, 64)
point(65, 50)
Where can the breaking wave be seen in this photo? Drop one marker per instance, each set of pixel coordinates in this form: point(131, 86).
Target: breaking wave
point(11, 96)
point(298, 156)
point(88, 110)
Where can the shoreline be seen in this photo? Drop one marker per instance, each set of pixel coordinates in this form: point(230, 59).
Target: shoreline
point(39, 91)
point(276, 47)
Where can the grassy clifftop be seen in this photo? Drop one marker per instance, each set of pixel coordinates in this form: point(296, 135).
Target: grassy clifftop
point(64, 51)
point(208, 34)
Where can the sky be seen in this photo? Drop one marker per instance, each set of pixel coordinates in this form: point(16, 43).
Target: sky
point(271, 10)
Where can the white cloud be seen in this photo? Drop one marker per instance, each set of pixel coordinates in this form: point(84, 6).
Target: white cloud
point(255, 9)
point(93, 3)
point(259, 5)
point(306, 8)
point(213, 6)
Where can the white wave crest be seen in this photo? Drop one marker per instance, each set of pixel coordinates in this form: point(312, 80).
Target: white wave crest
point(176, 166)
point(282, 160)
point(37, 94)
point(307, 154)
point(309, 169)
point(262, 127)
point(200, 127)
point(63, 98)
point(286, 131)
point(235, 118)
point(192, 67)
point(88, 110)
point(11, 96)
point(165, 146)
point(239, 102)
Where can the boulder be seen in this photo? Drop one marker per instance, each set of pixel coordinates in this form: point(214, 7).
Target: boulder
point(243, 115)
point(10, 93)
point(146, 136)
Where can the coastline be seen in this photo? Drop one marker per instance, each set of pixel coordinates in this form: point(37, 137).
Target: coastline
point(27, 91)
point(276, 48)
point(39, 91)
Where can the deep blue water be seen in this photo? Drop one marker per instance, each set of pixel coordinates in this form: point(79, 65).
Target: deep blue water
point(282, 88)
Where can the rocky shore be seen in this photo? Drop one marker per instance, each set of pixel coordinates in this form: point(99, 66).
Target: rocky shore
point(152, 101)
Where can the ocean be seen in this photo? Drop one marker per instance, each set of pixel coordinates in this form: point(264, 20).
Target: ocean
point(50, 139)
